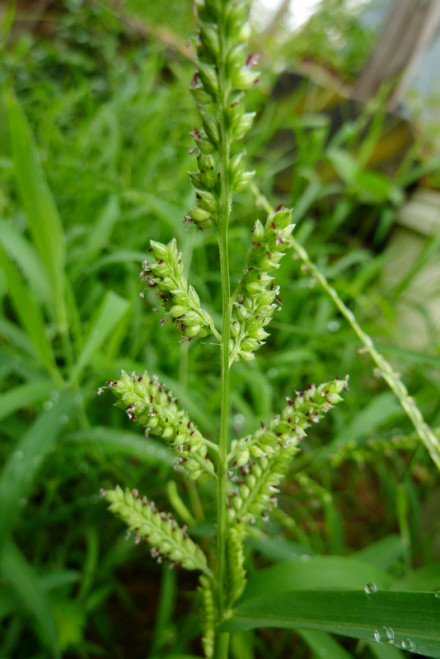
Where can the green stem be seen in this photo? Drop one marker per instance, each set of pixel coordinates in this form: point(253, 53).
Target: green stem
point(222, 640)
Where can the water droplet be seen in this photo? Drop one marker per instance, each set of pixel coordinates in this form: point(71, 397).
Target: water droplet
point(239, 420)
point(64, 419)
point(384, 635)
point(408, 644)
point(48, 405)
point(272, 373)
point(18, 455)
point(437, 594)
point(54, 396)
point(370, 588)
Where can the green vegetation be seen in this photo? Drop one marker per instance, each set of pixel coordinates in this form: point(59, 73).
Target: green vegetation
point(93, 165)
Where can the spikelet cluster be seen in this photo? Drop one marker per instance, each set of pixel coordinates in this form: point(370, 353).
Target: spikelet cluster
point(157, 528)
point(180, 300)
point(221, 47)
point(235, 572)
point(257, 296)
point(273, 449)
point(288, 427)
point(149, 403)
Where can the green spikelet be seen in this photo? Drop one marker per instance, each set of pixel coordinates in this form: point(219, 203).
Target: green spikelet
point(256, 297)
point(235, 572)
point(208, 615)
point(159, 529)
point(149, 403)
point(289, 427)
point(274, 447)
point(180, 300)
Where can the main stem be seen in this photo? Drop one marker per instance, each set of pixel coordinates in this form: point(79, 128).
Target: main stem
point(222, 640)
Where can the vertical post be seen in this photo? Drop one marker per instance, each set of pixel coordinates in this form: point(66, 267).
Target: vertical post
point(408, 30)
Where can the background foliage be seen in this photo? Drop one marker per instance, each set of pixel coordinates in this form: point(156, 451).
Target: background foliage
point(94, 152)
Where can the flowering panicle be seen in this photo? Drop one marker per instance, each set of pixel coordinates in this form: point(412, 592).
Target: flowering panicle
point(274, 449)
point(180, 300)
point(157, 528)
point(257, 297)
point(256, 464)
point(221, 45)
point(149, 403)
point(288, 427)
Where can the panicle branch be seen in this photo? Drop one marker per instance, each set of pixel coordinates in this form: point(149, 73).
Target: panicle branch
point(257, 297)
point(179, 299)
point(159, 529)
point(273, 448)
point(149, 403)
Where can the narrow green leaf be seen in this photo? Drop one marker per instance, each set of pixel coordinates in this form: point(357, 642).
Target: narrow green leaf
point(108, 316)
point(423, 579)
point(29, 314)
point(323, 645)
point(316, 572)
point(384, 553)
point(407, 620)
point(112, 441)
point(19, 472)
point(15, 335)
point(24, 395)
point(39, 205)
point(278, 549)
point(379, 410)
point(98, 237)
point(384, 651)
point(20, 574)
point(27, 258)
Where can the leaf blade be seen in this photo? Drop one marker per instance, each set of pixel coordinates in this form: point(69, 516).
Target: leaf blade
point(44, 221)
point(109, 314)
point(18, 473)
point(414, 618)
point(21, 575)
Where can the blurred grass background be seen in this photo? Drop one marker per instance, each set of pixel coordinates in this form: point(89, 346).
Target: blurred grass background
point(93, 164)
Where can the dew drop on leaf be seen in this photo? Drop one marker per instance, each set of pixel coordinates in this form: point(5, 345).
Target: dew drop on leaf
point(384, 635)
point(408, 644)
point(370, 588)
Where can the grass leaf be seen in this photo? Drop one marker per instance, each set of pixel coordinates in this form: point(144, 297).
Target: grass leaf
point(29, 314)
point(410, 620)
point(21, 575)
point(44, 221)
point(323, 645)
point(24, 395)
point(316, 572)
point(112, 441)
point(109, 314)
point(27, 258)
point(18, 474)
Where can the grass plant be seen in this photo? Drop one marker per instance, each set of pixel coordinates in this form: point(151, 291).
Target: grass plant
point(355, 531)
